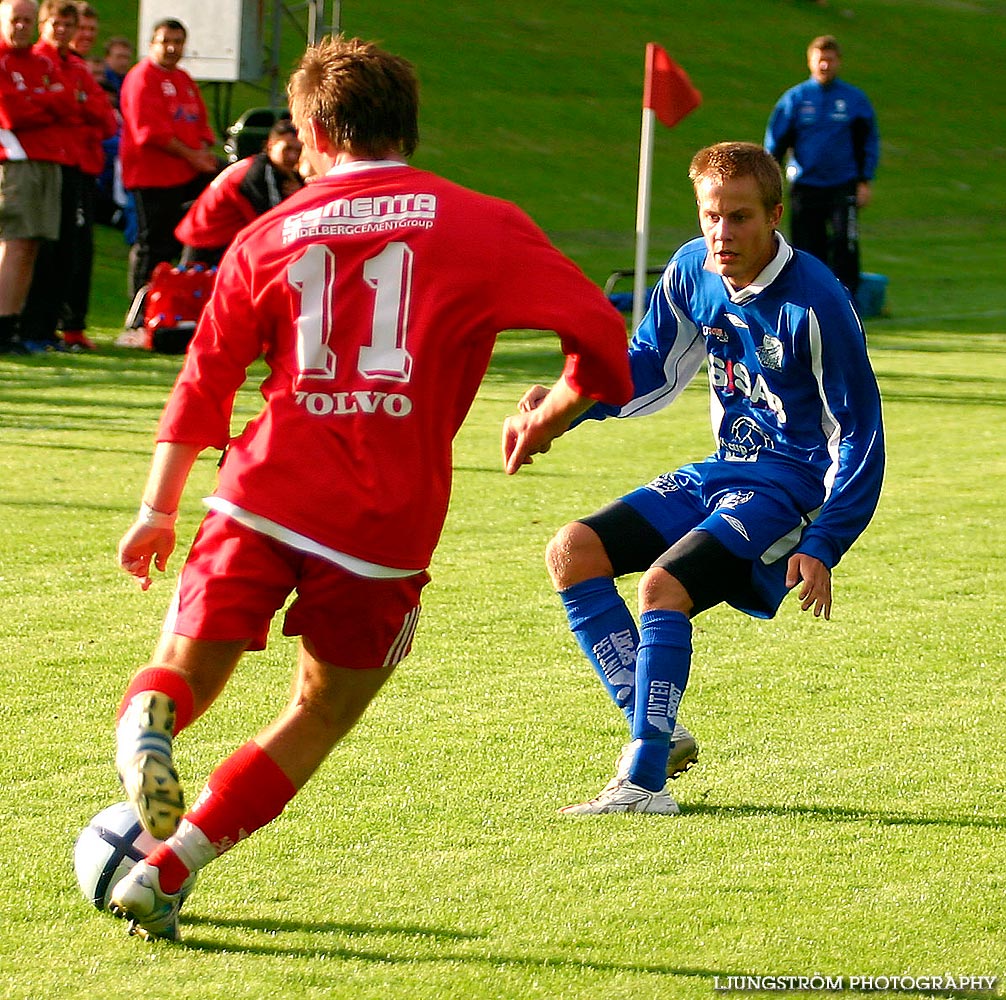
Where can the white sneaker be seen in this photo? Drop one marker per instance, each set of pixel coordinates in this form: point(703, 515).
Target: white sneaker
point(143, 759)
point(621, 795)
point(684, 752)
point(152, 914)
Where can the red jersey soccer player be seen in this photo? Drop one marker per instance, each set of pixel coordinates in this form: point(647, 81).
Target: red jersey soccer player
point(376, 295)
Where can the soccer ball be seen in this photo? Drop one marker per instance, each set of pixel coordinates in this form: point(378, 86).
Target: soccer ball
point(106, 850)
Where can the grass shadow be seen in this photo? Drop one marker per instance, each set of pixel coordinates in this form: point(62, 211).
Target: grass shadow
point(844, 815)
point(717, 979)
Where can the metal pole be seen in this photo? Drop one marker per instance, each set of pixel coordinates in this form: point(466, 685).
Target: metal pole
point(277, 28)
point(312, 22)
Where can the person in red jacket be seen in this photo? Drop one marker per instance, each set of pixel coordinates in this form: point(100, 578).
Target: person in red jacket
point(34, 102)
point(86, 32)
point(239, 195)
point(166, 149)
point(64, 302)
point(375, 294)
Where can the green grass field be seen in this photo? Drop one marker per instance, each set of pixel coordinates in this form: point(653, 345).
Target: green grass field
point(846, 818)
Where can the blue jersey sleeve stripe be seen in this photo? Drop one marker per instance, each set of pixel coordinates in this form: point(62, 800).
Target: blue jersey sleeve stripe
point(675, 339)
point(830, 426)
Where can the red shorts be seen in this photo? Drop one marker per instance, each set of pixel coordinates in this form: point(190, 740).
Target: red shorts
point(235, 580)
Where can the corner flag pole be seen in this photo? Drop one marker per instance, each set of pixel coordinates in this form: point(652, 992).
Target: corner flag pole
point(668, 94)
point(642, 215)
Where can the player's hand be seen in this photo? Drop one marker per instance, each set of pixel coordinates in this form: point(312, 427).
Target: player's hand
point(520, 442)
point(545, 414)
point(205, 161)
point(815, 580)
point(531, 399)
point(143, 545)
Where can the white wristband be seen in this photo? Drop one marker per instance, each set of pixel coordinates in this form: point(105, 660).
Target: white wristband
point(155, 518)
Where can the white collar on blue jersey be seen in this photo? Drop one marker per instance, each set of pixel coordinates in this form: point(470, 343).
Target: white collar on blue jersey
point(769, 273)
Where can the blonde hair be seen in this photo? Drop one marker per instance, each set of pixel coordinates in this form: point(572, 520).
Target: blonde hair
point(366, 99)
point(826, 43)
point(725, 160)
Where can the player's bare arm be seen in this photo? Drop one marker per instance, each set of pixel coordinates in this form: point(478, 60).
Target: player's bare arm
point(542, 418)
point(815, 580)
point(150, 540)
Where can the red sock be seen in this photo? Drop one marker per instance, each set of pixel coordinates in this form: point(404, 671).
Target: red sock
point(171, 873)
point(247, 791)
point(169, 682)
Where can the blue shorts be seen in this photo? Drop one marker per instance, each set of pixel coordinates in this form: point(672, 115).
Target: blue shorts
point(756, 521)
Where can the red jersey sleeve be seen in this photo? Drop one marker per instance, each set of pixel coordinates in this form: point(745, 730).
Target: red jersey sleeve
point(547, 291)
point(199, 409)
point(21, 109)
point(25, 101)
point(95, 107)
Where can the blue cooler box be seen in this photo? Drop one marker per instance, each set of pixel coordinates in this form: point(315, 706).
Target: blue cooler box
point(871, 296)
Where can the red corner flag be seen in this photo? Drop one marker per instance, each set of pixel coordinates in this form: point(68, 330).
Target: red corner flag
point(667, 90)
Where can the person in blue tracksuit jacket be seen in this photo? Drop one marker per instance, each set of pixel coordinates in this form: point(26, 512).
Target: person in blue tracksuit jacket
point(831, 129)
point(795, 478)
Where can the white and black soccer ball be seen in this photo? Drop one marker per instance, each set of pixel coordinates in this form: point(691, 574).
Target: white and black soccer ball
point(106, 850)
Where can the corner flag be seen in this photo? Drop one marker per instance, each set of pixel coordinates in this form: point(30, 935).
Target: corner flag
point(669, 95)
point(667, 91)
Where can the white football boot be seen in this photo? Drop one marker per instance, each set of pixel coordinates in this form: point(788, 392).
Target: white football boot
point(152, 914)
point(622, 796)
point(143, 759)
point(684, 752)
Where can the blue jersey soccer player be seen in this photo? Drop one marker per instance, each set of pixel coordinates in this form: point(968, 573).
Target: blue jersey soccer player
point(794, 480)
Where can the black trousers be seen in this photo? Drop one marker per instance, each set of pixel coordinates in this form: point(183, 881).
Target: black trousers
point(158, 212)
point(825, 222)
point(61, 282)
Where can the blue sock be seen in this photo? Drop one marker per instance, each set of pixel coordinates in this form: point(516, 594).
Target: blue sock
point(662, 664)
point(607, 634)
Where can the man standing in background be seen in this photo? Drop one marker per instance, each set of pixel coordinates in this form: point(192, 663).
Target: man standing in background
point(118, 59)
point(86, 33)
point(166, 151)
point(831, 129)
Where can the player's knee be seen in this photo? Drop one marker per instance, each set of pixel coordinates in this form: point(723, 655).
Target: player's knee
point(575, 554)
point(660, 591)
point(557, 556)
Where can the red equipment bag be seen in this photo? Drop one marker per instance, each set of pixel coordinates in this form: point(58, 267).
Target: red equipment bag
point(175, 300)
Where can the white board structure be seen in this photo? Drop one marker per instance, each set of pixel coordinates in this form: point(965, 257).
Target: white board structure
point(224, 41)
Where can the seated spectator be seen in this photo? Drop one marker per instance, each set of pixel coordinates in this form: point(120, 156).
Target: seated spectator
point(240, 194)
